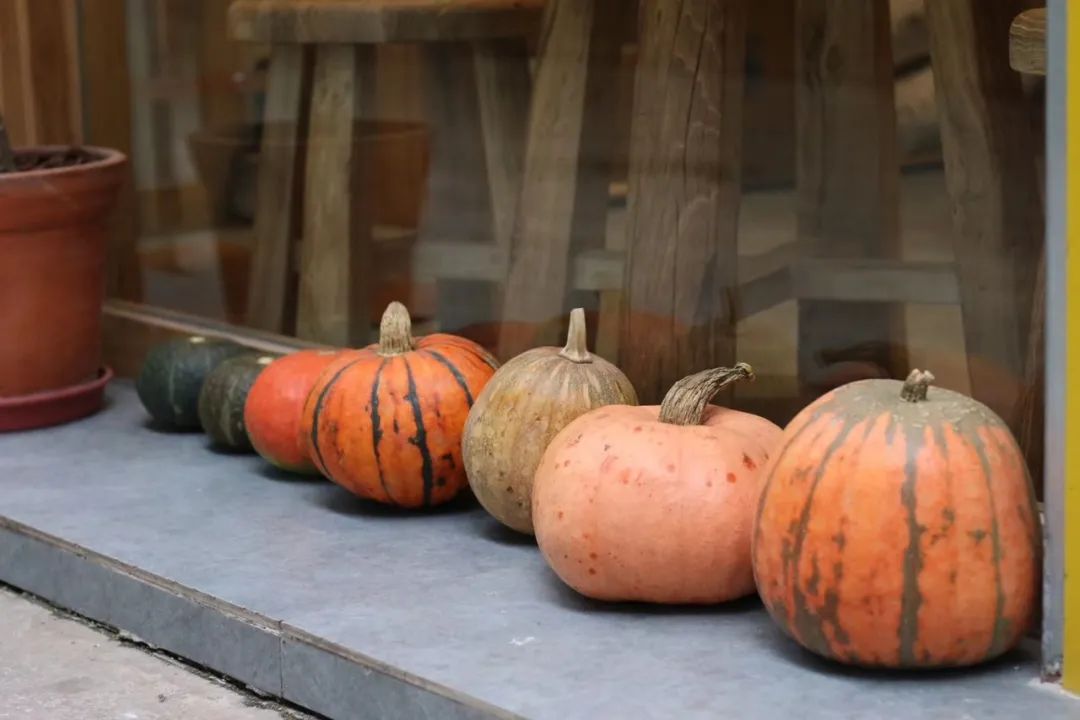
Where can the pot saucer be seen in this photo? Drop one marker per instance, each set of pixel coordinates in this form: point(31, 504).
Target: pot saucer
point(53, 407)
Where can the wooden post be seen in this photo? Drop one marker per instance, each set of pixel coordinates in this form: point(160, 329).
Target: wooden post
point(272, 287)
point(990, 167)
point(565, 176)
point(336, 260)
point(847, 174)
point(685, 169)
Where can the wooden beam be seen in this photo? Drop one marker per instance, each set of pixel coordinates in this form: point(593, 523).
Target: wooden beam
point(458, 206)
point(503, 89)
point(991, 154)
point(875, 281)
point(578, 41)
point(847, 168)
point(679, 309)
point(335, 273)
point(130, 330)
point(360, 21)
point(278, 222)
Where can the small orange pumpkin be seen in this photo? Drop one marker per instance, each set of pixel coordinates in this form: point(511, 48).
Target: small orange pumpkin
point(386, 422)
point(275, 405)
point(897, 527)
point(655, 503)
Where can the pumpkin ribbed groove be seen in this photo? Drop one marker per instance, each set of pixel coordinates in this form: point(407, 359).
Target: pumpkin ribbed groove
point(527, 402)
point(897, 528)
point(455, 373)
point(387, 425)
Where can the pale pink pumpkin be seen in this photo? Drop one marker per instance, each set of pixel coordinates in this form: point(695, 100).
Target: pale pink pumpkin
point(655, 503)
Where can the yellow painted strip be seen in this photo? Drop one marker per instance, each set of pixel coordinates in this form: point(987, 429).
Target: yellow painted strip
point(1071, 647)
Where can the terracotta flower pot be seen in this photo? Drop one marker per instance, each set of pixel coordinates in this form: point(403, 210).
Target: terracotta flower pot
point(52, 265)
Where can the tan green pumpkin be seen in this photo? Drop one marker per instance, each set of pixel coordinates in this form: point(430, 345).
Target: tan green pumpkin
point(528, 401)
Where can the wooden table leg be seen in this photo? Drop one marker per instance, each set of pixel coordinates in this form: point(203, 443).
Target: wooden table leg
point(990, 167)
point(336, 252)
point(272, 286)
point(561, 188)
point(685, 169)
point(847, 175)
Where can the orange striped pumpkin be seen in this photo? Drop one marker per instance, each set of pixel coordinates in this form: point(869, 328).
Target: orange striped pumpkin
point(897, 527)
point(386, 422)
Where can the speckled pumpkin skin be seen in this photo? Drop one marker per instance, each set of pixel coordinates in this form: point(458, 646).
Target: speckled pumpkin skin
point(898, 534)
point(528, 401)
point(628, 508)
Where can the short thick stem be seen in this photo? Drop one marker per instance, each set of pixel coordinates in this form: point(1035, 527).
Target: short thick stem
point(685, 402)
point(576, 349)
point(395, 331)
point(916, 385)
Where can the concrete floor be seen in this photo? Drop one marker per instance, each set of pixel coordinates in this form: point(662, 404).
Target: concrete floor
point(55, 667)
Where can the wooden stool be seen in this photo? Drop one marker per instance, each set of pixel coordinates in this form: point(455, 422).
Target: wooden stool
point(327, 45)
point(681, 295)
point(563, 205)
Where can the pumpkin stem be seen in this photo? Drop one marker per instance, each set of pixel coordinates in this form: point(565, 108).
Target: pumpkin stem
point(395, 330)
point(576, 349)
point(685, 402)
point(916, 385)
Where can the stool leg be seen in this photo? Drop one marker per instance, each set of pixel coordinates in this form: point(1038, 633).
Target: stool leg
point(503, 89)
point(1031, 407)
point(564, 187)
point(685, 169)
point(609, 320)
point(847, 176)
point(457, 209)
point(990, 170)
point(272, 287)
point(334, 304)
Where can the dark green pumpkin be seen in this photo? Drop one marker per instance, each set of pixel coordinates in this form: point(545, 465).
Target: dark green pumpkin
point(223, 396)
point(173, 374)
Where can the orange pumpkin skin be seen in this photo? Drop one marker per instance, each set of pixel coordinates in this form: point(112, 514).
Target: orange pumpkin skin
point(898, 533)
point(343, 359)
point(628, 508)
point(275, 406)
point(386, 424)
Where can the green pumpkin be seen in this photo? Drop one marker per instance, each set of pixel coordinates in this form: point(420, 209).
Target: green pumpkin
point(223, 396)
point(173, 374)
